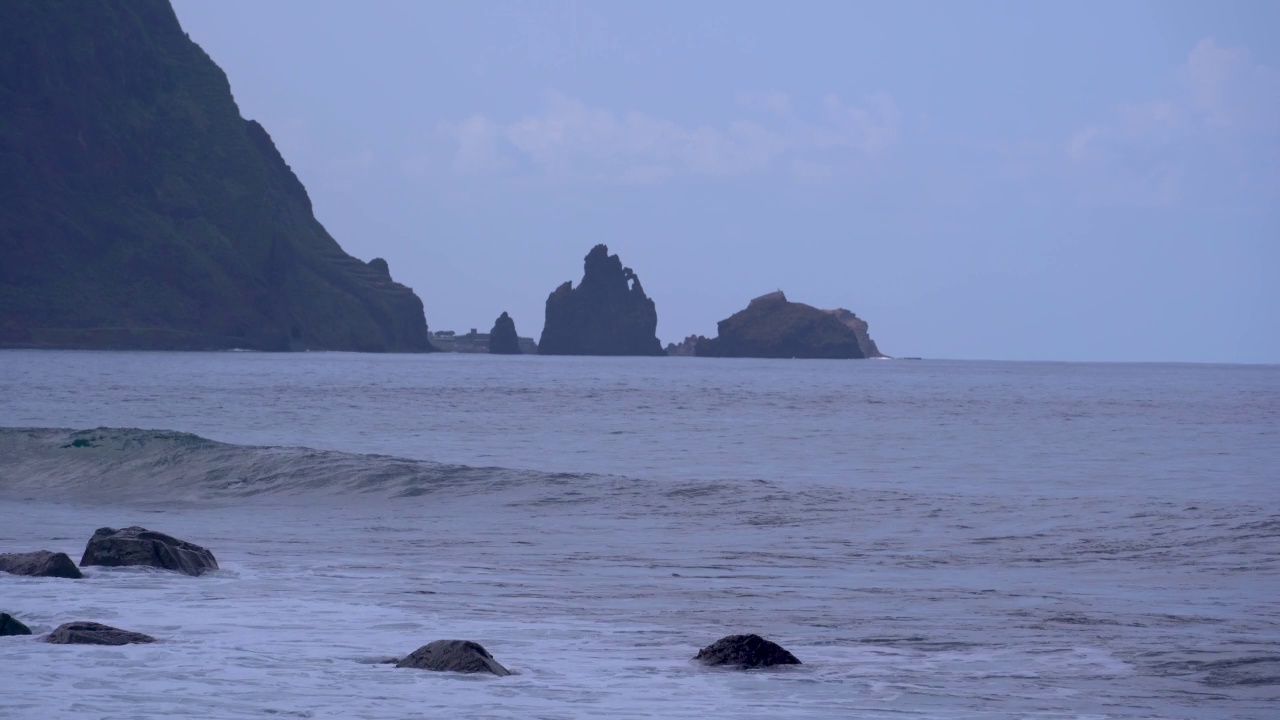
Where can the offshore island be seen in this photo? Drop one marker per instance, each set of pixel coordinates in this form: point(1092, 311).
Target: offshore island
point(140, 211)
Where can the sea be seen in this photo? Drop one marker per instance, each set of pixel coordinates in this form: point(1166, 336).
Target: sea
point(932, 539)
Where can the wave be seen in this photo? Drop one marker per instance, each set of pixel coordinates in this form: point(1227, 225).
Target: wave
point(132, 464)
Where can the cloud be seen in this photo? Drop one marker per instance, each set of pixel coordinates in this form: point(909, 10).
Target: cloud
point(1201, 139)
point(777, 103)
point(1230, 90)
point(567, 138)
point(871, 129)
point(477, 139)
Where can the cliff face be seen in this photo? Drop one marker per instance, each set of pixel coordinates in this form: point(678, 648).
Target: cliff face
point(139, 210)
point(607, 314)
point(773, 327)
point(860, 328)
point(502, 338)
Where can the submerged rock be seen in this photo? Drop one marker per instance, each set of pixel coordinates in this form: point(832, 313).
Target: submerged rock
point(745, 651)
point(92, 633)
point(502, 338)
point(41, 563)
point(453, 656)
point(607, 314)
point(773, 327)
point(9, 625)
point(139, 546)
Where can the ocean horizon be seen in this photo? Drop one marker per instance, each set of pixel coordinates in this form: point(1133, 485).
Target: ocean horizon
point(930, 538)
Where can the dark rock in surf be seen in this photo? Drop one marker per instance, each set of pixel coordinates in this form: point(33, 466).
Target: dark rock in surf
point(461, 656)
point(502, 338)
point(607, 314)
point(139, 546)
point(9, 625)
point(92, 633)
point(41, 563)
point(773, 327)
point(745, 651)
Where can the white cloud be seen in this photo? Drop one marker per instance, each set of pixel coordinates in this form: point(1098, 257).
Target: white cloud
point(569, 138)
point(871, 129)
point(477, 138)
point(777, 103)
point(1151, 152)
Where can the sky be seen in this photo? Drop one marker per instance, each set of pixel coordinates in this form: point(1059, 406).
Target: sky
point(1077, 181)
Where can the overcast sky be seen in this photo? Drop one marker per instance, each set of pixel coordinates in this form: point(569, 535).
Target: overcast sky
point(1009, 180)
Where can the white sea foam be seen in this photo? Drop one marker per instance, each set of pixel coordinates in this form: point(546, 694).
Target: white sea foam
point(902, 595)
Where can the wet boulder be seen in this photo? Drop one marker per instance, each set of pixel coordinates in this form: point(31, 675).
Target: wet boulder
point(745, 651)
point(139, 546)
point(40, 563)
point(92, 633)
point(9, 625)
point(461, 656)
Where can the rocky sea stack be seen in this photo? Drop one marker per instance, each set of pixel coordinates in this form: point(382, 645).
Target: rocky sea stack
point(607, 314)
point(502, 338)
point(139, 210)
point(773, 327)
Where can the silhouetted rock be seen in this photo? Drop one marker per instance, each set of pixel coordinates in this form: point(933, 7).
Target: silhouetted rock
point(688, 346)
point(41, 563)
point(92, 633)
point(139, 546)
point(859, 327)
point(453, 656)
point(9, 625)
point(745, 651)
point(502, 338)
point(772, 327)
point(139, 210)
point(607, 314)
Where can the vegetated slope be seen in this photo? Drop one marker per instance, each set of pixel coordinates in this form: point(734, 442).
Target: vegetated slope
point(139, 210)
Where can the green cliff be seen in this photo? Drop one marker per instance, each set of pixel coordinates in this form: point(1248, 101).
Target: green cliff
point(139, 210)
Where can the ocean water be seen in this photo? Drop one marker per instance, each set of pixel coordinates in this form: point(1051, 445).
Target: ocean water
point(932, 539)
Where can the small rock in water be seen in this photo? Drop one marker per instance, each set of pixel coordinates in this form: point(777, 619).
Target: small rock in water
point(745, 651)
point(9, 625)
point(139, 546)
point(40, 563)
point(92, 633)
point(453, 656)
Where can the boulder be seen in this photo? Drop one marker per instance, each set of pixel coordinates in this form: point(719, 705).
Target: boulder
point(139, 546)
point(773, 327)
point(41, 563)
point(9, 625)
point(502, 338)
point(607, 314)
point(92, 633)
point(745, 651)
point(461, 656)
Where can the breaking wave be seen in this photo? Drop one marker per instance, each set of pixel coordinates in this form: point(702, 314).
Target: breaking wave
point(132, 464)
